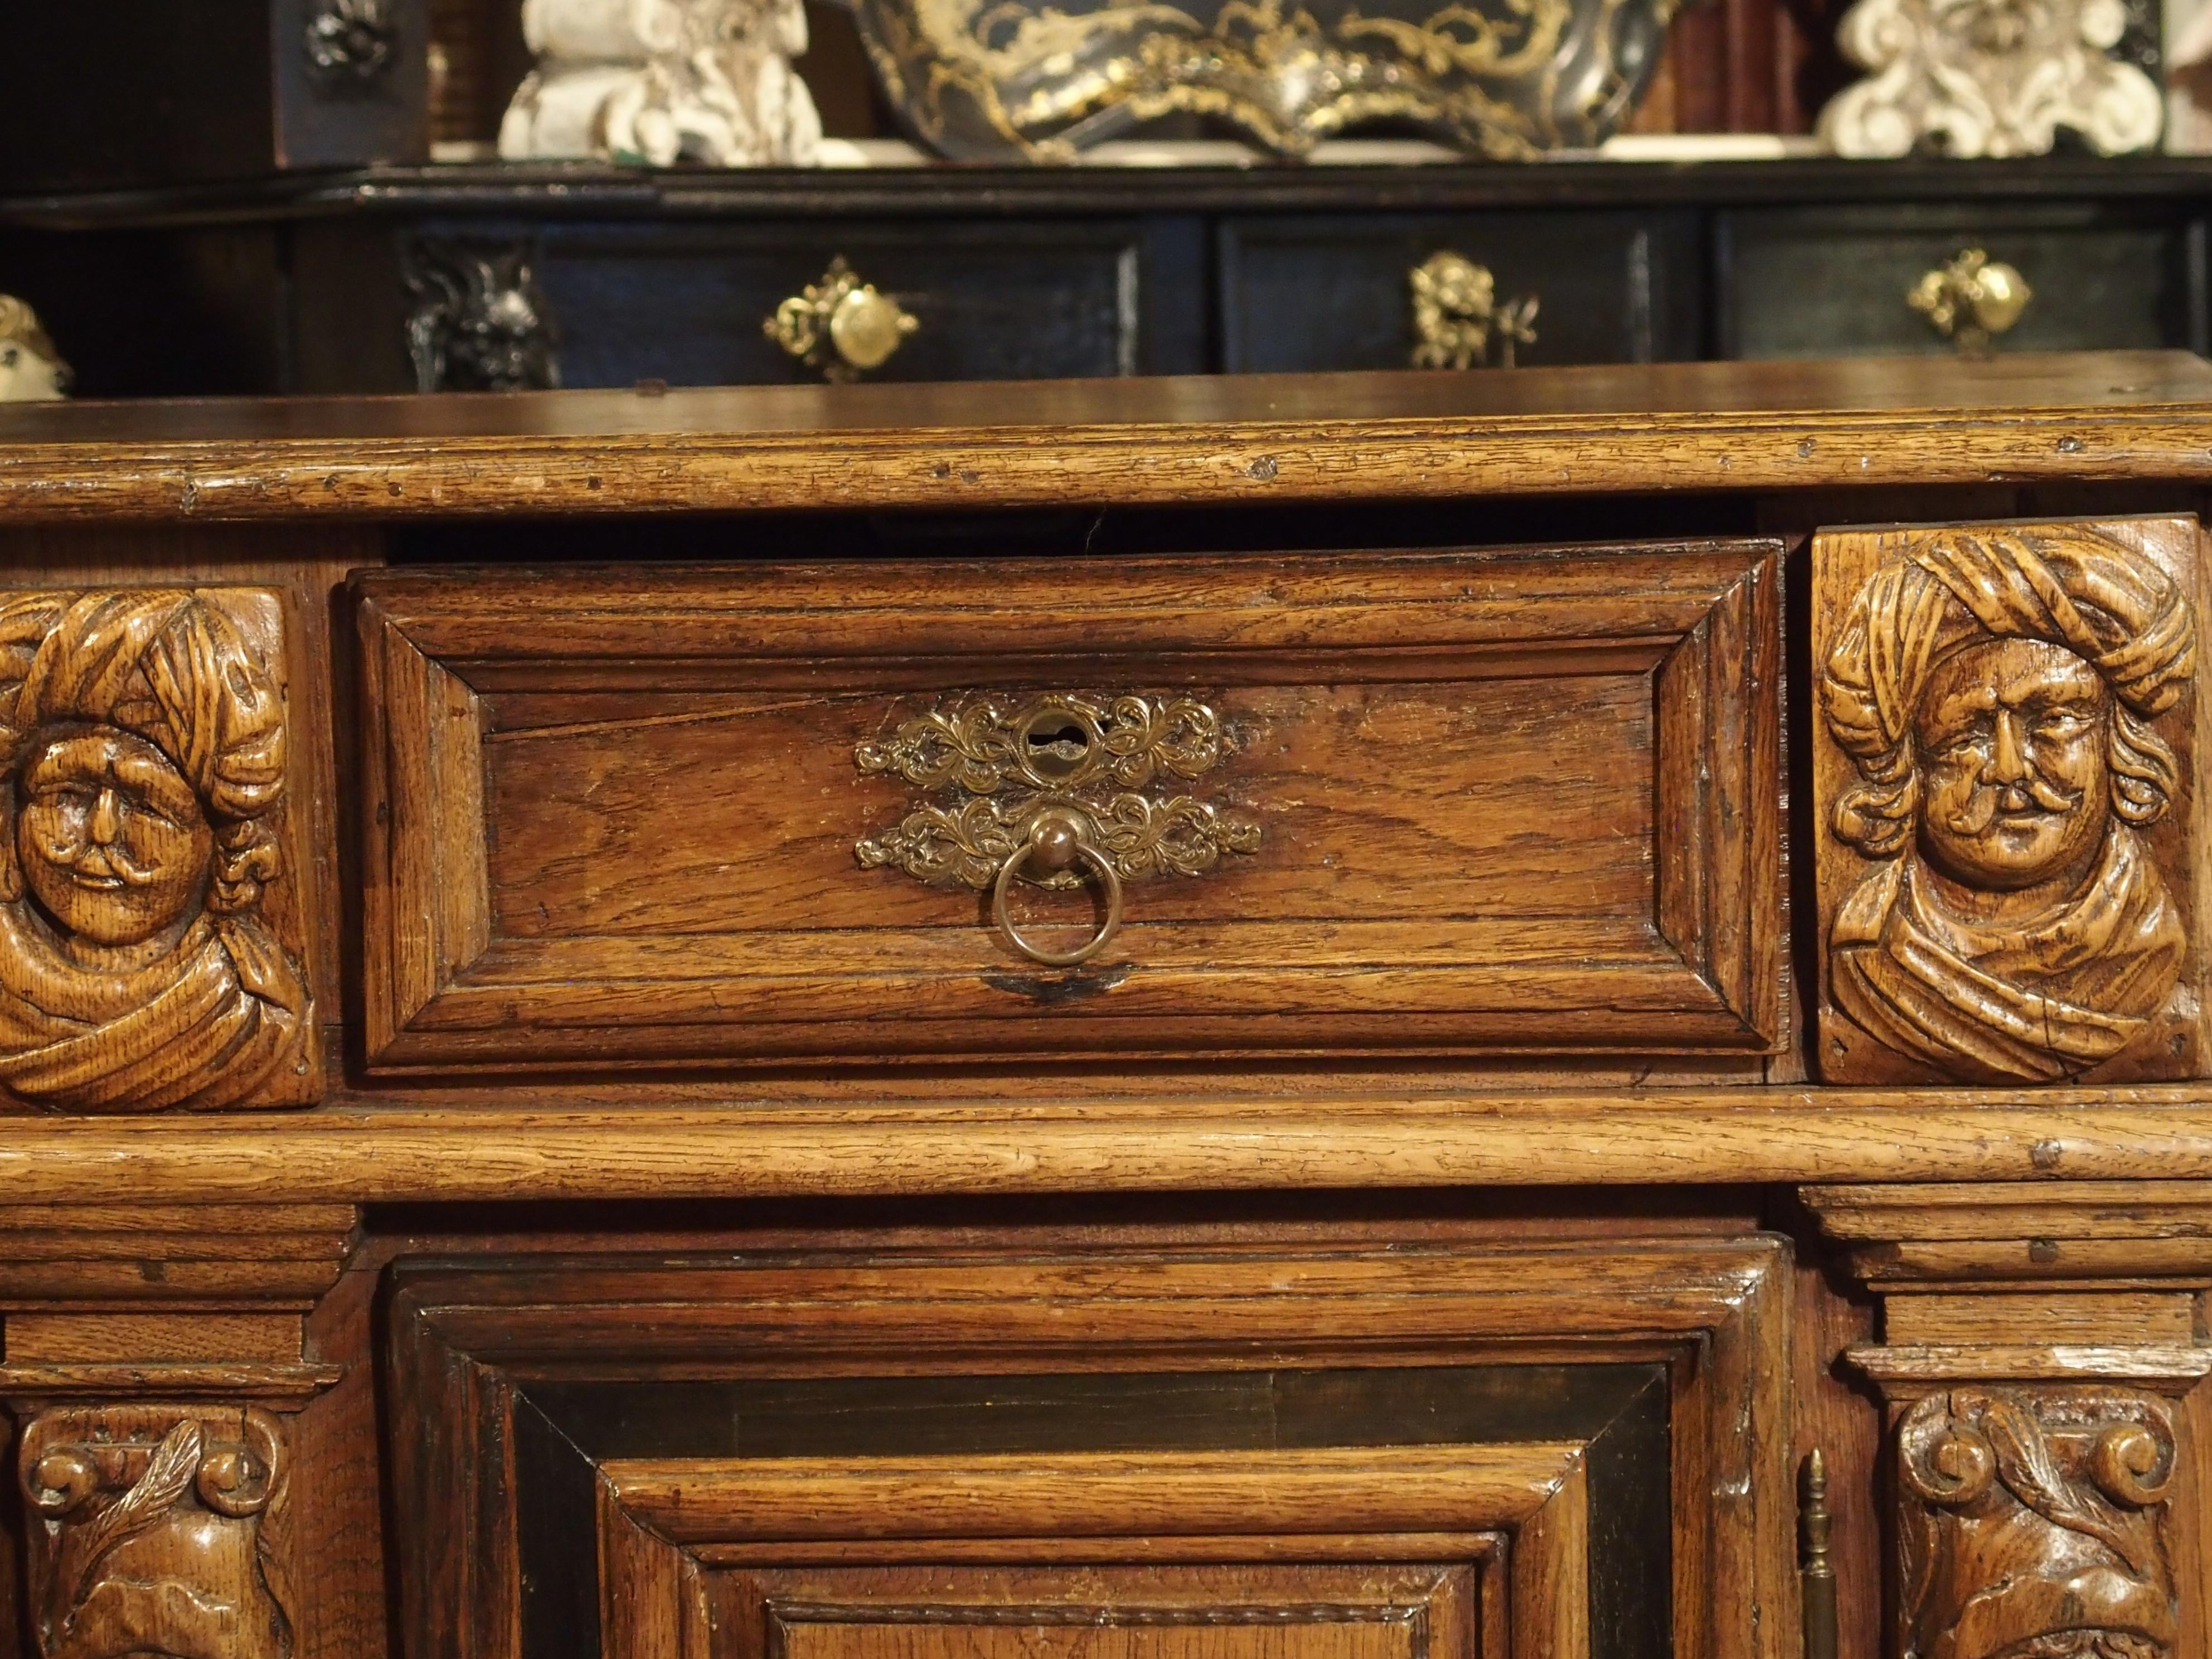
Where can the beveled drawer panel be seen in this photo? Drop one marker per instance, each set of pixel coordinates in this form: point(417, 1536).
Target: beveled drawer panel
point(1463, 801)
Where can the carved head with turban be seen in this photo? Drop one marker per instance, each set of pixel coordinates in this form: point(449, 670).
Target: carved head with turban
point(142, 744)
point(1995, 690)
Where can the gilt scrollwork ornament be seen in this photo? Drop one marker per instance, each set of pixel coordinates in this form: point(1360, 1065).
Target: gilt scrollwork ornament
point(967, 845)
point(144, 776)
point(1058, 741)
point(2034, 1523)
point(1989, 77)
point(2000, 693)
point(157, 1530)
point(1056, 789)
point(1507, 79)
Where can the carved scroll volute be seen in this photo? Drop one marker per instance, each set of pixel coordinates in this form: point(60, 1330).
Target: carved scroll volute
point(152, 935)
point(156, 1529)
point(2006, 814)
point(2034, 1522)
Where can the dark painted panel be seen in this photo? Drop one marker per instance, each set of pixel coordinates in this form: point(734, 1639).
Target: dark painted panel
point(1829, 283)
point(685, 304)
point(1332, 291)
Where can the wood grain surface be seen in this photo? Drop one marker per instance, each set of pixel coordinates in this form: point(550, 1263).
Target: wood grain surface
point(1220, 438)
point(1521, 799)
point(402, 1148)
point(1283, 1407)
point(2006, 817)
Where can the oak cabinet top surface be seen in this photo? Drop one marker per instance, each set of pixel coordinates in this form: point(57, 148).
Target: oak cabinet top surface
point(1663, 427)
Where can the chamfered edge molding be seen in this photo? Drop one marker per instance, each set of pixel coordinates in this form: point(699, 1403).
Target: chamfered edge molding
point(1256, 440)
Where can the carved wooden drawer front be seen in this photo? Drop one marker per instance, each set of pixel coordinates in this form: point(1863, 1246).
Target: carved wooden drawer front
point(1481, 802)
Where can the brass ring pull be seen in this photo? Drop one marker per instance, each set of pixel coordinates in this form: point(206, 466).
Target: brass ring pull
point(1056, 843)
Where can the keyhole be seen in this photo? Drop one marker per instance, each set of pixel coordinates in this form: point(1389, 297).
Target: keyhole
point(1056, 747)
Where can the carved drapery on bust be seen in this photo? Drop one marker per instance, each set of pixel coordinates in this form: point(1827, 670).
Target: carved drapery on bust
point(142, 776)
point(2033, 1523)
point(157, 1530)
point(1999, 694)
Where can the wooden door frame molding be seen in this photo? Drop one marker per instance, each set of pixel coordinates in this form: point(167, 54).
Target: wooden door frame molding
point(468, 1337)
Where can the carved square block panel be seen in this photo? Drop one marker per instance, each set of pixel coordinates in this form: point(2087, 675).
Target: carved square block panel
point(152, 933)
point(2004, 730)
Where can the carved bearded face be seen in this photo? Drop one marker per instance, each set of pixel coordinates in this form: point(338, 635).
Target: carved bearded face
point(113, 841)
point(2012, 739)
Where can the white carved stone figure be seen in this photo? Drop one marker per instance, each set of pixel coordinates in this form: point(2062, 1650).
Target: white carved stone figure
point(1988, 77)
point(31, 369)
point(657, 82)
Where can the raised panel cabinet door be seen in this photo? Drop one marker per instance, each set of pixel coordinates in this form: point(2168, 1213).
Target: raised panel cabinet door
point(1379, 1449)
point(1486, 802)
point(1310, 292)
point(1857, 282)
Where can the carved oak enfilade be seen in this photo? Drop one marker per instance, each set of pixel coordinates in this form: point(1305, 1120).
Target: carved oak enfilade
point(1311, 1019)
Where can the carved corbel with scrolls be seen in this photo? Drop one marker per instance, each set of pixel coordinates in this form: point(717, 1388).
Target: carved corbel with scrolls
point(2034, 1521)
point(157, 1530)
point(2038, 1354)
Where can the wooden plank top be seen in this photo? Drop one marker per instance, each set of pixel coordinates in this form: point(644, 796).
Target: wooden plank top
point(681, 1142)
point(2088, 417)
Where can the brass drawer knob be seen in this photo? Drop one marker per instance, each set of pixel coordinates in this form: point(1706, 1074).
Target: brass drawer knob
point(1058, 844)
point(1971, 299)
point(840, 324)
point(1457, 316)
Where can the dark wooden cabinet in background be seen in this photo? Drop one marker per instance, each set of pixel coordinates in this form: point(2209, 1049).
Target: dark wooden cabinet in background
point(598, 277)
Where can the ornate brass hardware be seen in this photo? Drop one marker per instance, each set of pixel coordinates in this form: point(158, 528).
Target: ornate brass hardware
point(1051, 788)
point(1971, 299)
point(840, 324)
point(1457, 317)
point(1058, 844)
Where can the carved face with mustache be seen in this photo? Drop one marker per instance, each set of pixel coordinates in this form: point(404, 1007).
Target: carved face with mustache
point(113, 841)
point(2012, 738)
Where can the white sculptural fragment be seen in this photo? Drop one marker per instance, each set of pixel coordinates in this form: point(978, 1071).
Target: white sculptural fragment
point(657, 81)
point(1988, 77)
point(31, 369)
